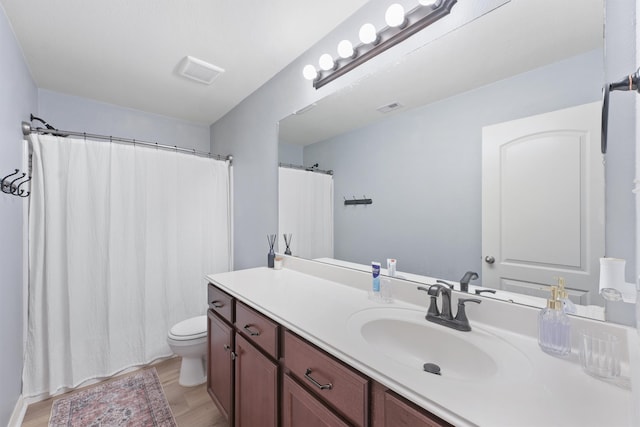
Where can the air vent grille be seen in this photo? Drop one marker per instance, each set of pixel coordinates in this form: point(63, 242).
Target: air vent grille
point(389, 107)
point(199, 70)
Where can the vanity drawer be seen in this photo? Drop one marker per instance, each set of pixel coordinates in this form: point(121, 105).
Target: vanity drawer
point(221, 302)
point(258, 329)
point(344, 389)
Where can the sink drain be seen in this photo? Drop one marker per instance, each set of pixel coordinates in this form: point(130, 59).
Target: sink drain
point(432, 368)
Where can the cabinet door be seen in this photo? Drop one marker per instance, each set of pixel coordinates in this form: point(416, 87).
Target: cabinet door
point(256, 394)
point(301, 408)
point(398, 413)
point(220, 364)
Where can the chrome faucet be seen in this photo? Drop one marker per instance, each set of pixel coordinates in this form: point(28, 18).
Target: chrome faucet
point(444, 317)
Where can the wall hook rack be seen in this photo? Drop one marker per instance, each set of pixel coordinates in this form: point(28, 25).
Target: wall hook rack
point(354, 201)
point(12, 184)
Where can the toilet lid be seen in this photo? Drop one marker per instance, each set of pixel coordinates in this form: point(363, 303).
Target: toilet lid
point(193, 328)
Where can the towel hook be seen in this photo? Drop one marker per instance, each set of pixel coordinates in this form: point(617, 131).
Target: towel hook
point(20, 192)
point(13, 188)
point(2, 182)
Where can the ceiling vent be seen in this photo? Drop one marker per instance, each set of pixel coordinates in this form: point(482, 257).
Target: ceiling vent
point(389, 107)
point(199, 70)
point(305, 109)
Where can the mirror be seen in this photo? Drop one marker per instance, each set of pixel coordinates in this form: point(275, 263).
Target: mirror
point(519, 60)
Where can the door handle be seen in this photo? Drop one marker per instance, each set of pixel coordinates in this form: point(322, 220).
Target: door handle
point(489, 259)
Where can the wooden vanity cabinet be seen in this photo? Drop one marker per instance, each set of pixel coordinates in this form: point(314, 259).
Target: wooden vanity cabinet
point(391, 410)
point(220, 380)
point(220, 350)
point(340, 387)
point(247, 353)
point(301, 408)
point(256, 369)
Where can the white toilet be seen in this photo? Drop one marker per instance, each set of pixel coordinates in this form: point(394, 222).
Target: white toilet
point(188, 339)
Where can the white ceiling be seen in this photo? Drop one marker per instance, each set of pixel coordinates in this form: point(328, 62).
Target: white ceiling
point(127, 52)
point(514, 38)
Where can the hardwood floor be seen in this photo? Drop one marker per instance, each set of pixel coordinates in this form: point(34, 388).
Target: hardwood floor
point(191, 406)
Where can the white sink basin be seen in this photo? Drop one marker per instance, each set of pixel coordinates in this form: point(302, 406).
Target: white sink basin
point(405, 337)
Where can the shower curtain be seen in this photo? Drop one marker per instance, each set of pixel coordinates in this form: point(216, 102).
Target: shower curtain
point(305, 210)
point(120, 239)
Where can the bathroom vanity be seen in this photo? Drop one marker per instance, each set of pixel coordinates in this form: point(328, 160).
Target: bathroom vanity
point(307, 343)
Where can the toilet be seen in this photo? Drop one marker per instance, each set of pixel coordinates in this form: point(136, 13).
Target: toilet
point(188, 339)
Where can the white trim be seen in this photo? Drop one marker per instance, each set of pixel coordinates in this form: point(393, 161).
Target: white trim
point(25, 250)
point(18, 412)
point(230, 224)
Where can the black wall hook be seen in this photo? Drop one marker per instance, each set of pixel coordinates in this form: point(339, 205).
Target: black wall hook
point(354, 201)
point(11, 184)
point(629, 83)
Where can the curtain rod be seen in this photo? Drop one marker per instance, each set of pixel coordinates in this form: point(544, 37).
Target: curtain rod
point(27, 129)
point(313, 168)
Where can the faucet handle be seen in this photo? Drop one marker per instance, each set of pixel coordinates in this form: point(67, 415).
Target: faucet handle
point(461, 316)
point(433, 306)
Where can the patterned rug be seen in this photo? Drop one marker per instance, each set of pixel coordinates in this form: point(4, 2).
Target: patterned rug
point(136, 400)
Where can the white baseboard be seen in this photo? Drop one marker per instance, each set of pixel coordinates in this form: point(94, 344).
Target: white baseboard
point(18, 413)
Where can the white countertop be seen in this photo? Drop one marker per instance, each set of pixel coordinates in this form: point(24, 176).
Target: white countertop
point(547, 391)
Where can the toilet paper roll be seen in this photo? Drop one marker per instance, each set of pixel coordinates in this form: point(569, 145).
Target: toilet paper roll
point(612, 281)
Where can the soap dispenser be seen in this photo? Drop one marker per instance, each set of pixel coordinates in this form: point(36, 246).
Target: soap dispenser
point(554, 327)
point(568, 306)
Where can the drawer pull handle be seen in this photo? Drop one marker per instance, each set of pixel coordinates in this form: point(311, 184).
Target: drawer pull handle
point(217, 304)
point(308, 376)
point(250, 331)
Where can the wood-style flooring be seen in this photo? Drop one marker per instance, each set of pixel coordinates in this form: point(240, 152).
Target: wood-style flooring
point(191, 406)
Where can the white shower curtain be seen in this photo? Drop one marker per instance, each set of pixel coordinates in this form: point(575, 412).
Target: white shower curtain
point(305, 210)
point(120, 237)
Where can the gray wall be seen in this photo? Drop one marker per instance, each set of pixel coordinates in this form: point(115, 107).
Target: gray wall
point(84, 115)
point(18, 98)
point(290, 153)
point(422, 168)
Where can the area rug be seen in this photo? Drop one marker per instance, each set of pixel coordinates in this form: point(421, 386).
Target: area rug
point(136, 399)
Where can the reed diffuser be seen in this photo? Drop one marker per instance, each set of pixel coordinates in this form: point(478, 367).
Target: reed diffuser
point(287, 242)
point(271, 256)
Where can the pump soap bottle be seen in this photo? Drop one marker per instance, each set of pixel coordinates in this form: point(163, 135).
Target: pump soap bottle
point(563, 296)
point(554, 327)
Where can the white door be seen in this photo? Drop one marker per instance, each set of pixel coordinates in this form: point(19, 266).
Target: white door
point(543, 203)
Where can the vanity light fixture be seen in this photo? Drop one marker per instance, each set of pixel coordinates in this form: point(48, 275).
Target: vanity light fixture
point(395, 16)
point(367, 34)
point(345, 49)
point(400, 26)
point(326, 62)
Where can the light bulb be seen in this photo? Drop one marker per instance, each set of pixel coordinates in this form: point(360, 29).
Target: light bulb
point(432, 3)
point(309, 72)
point(394, 17)
point(368, 34)
point(345, 49)
point(326, 62)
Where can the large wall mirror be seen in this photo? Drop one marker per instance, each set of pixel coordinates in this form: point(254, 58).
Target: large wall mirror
point(421, 162)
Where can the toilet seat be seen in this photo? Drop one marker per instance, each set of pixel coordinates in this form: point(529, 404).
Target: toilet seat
point(190, 329)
